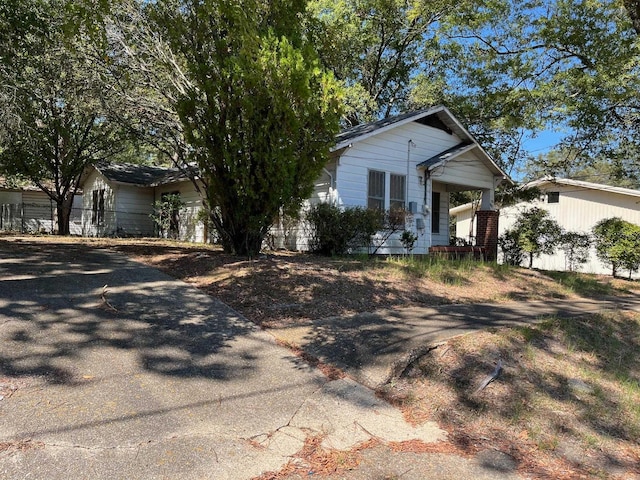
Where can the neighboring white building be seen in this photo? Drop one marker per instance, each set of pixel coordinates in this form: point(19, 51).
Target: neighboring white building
point(119, 200)
point(577, 206)
point(413, 160)
point(30, 210)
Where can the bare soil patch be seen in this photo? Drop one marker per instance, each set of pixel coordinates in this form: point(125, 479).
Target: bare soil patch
point(285, 289)
point(565, 405)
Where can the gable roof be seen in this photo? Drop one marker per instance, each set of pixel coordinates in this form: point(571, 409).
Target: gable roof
point(541, 182)
point(578, 183)
point(437, 117)
point(139, 175)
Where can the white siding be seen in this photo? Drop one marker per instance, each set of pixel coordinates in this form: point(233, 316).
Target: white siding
point(10, 211)
point(191, 228)
point(133, 207)
point(578, 210)
point(95, 181)
point(398, 151)
point(391, 152)
point(33, 211)
point(324, 186)
point(442, 236)
point(39, 212)
point(466, 224)
point(128, 209)
point(465, 170)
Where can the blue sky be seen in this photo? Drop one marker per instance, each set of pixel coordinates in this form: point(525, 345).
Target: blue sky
point(543, 142)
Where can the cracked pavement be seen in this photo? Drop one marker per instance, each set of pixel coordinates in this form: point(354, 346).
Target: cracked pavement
point(115, 370)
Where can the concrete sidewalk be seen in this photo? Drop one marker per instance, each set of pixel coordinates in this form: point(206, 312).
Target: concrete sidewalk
point(373, 347)
point(113, 370)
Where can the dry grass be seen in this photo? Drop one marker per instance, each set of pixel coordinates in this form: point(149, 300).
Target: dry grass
point(20, 445)
point(565, 406)
point(283, 289)
point(316, 461)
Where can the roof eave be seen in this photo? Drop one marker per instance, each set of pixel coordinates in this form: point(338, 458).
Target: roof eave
point(461, 208)
point(586, 185)
point(452, 122)
point(486, 158)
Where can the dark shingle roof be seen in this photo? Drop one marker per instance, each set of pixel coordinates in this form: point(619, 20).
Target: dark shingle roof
point(364, 128)
point(140, 175)
point(444, 156)
point(437, 117)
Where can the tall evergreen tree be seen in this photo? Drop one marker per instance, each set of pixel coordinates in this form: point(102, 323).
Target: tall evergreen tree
point(256, 110)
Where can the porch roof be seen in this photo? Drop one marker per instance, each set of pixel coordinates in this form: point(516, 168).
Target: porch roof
point(140, 175)
point(452, 153)
point(448, 154)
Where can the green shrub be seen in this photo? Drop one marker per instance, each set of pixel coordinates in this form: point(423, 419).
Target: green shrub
point(166, 215)
point(575, 246)
point(335, 231)
point(618, 244)
point(538, 233)
point(408, 240)
point(512, 251)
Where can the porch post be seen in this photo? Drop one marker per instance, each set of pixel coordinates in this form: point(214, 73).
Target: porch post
point(488, 199)
point(487, 232)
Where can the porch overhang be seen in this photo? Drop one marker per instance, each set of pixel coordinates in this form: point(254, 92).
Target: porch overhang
point(440, 160)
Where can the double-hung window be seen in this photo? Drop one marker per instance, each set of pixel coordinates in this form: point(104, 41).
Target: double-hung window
point(397, 194)
point(375, 198)
point(97, 211)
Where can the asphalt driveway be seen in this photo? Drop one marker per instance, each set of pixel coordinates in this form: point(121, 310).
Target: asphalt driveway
point(110, 369)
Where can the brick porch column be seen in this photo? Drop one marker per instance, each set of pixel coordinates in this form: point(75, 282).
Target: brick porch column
point(487, 232)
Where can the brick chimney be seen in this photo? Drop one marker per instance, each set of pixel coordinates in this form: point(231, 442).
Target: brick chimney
point(487, 232)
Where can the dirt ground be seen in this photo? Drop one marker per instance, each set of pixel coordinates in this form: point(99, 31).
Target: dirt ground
point(564, 405)
point(281, 288)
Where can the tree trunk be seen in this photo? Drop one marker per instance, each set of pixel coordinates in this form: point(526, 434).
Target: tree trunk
point(246, 244)
point(63, 210)
point(633, 9)
point(238, 235)
point(530, 261)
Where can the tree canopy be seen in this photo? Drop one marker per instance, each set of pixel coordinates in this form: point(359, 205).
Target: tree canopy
point(537, 233)
point(617, 244)
point(250, 91)
point(568, 65)
point(508, 69)
point(53, 98)
point(257, 111)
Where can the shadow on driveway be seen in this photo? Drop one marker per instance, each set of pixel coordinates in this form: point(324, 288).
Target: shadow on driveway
point(54, 304)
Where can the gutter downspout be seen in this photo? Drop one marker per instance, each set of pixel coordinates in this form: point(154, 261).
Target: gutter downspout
point(427, 177)
point(410, 144)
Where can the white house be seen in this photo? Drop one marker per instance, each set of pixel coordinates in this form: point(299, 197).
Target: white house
point(119, 200)
point(577, 206)
point(413, 161)
point(27, 209)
